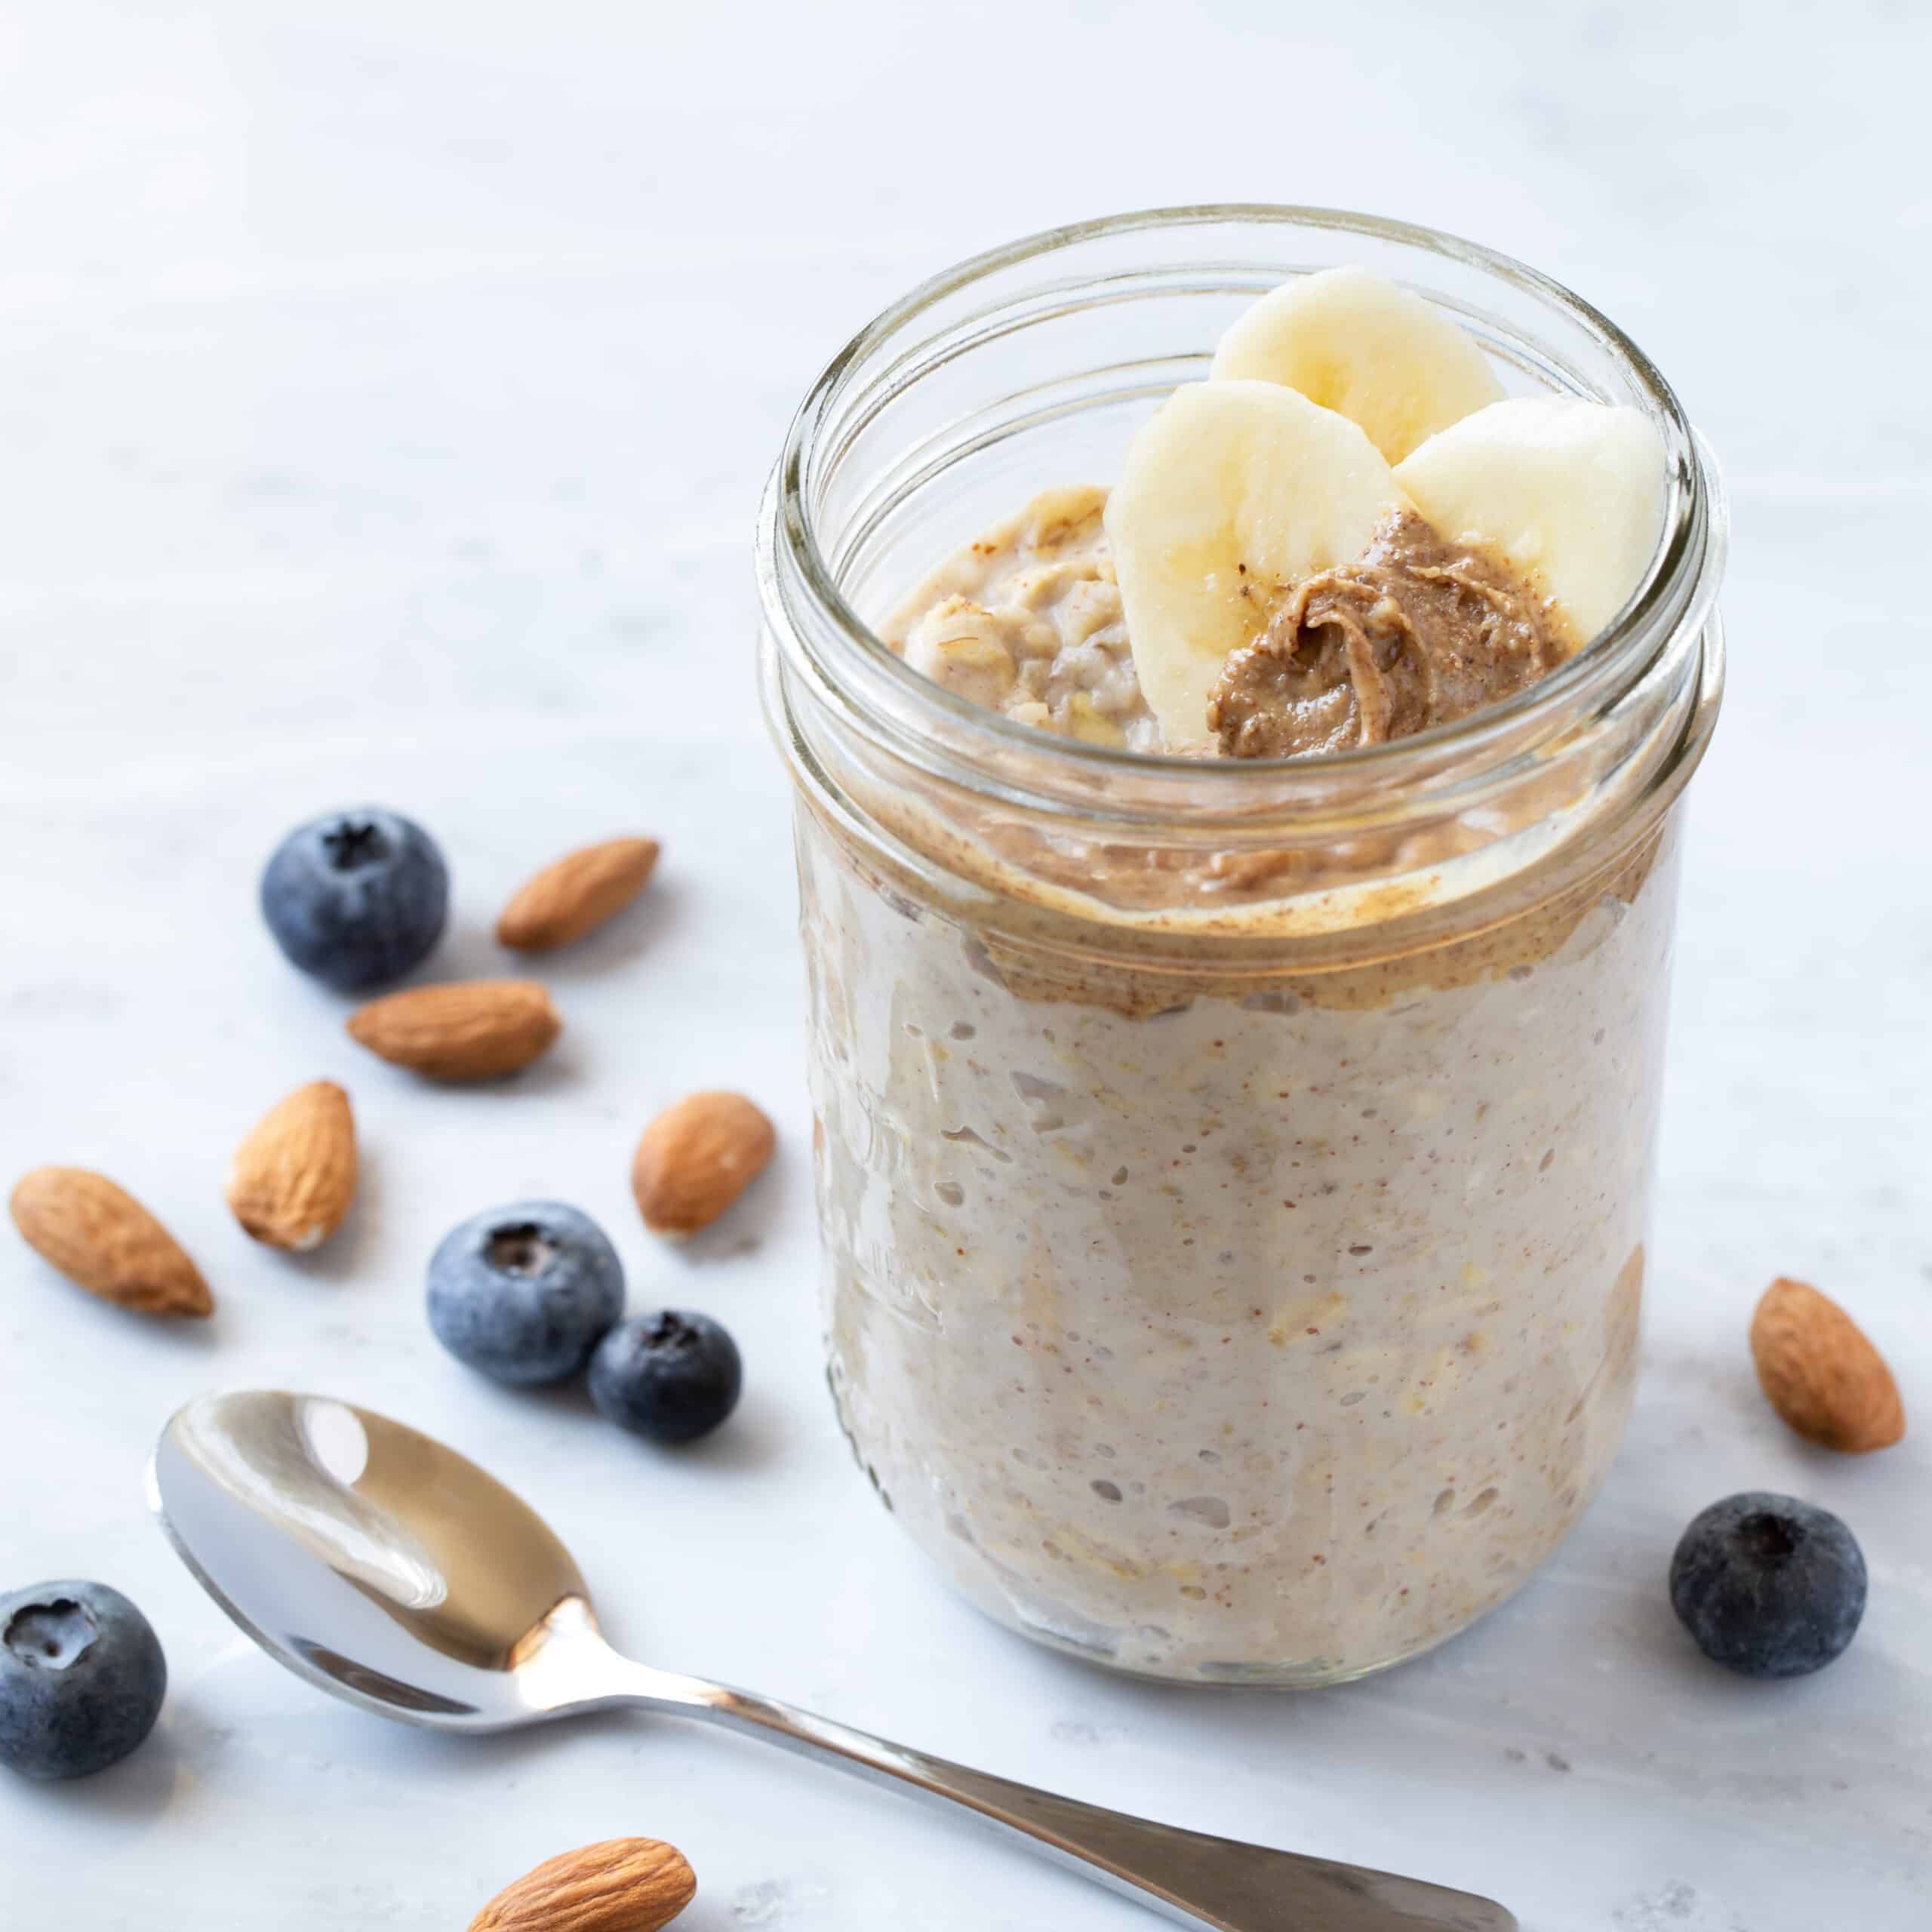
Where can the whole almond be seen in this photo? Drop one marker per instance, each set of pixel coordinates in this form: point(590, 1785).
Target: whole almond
point(1819, 1372)
point(291, 1181)
point(696, 1159)
point(470, 1029)
point(622, 1885)
point(99, 1235)
point(576, 893)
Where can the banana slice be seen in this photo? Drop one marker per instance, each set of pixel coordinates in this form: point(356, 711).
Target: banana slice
point(1360, 346)
point(1230, 492)
point(1571, 492)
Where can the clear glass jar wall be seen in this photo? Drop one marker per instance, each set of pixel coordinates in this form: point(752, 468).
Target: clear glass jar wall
point(1234, 1178)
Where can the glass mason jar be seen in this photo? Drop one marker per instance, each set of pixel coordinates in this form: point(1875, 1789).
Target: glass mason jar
point(1233, 1175)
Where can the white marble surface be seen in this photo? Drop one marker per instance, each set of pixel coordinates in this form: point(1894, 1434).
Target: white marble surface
point(385, 390)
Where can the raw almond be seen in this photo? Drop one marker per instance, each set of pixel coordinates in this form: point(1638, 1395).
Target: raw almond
point(622, 1885)
point(576, 893)
point(291, 1181)
point(1820, 1374)
point(696, 1159)
point(471, 1030)
point(99, 1235)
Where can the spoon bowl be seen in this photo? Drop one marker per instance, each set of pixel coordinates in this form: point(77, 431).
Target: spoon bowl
point(389, 1571)
point(368, 1557)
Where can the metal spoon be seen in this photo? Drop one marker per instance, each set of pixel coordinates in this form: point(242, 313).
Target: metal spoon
point(385, 1568)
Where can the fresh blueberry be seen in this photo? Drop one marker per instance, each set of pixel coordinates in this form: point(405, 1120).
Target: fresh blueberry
point(523, 1293)
point(669, 1376)
point(1768, 1586)
point(81, 1679)
point(356, 898)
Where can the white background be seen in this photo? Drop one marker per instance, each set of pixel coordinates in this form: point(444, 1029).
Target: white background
point(385, 392)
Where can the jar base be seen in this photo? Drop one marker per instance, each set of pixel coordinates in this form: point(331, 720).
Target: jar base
point(1312, 1674)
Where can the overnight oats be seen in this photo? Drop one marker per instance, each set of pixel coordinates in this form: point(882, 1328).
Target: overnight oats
point(1237, 820)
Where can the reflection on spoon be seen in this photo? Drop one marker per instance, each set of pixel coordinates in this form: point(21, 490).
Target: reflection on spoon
point(295, 1468)
point(453, 1556)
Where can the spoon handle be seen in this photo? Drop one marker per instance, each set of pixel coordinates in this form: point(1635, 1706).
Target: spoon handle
point(1186, 1876)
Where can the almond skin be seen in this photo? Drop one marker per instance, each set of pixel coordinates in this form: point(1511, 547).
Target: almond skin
point(291, 1181)
point(471, 1029)
point(696, 1159)
point(575, 894)
point(1820, 1374)
point(99, 1235)
point(622, 1885)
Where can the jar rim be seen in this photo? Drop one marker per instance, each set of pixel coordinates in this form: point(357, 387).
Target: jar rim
point(1675, 594)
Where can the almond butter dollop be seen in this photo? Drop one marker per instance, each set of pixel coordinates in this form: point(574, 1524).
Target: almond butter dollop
point(1417, 631)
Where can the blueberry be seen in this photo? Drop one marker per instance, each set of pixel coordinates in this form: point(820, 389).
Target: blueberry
point(522, 1293)
point(356, 898)
point(671, 1377)
point(81, 1679)
point(1768, 1586)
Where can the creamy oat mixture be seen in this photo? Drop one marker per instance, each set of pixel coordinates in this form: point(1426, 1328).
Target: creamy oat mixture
point(1028, 621)
point(1272, 1336)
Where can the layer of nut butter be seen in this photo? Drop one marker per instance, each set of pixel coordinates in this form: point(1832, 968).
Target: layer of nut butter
point(1041, 942)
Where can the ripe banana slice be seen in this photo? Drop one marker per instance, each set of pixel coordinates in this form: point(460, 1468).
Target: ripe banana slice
point(1360, 346)
point(1230, 492)
point(1571, 492)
